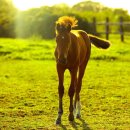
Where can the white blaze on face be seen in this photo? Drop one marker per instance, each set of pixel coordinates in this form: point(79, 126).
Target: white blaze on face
point(63, 47)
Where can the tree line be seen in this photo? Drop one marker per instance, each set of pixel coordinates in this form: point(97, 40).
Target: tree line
point(41, 21)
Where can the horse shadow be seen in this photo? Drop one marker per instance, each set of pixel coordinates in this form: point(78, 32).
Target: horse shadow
point(63, 127)
point(84, 124)
point(75, 125)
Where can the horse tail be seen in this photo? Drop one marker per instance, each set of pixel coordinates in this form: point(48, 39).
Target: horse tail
point(98, 42)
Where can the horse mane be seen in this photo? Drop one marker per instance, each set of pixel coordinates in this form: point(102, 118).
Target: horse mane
point(66, 20)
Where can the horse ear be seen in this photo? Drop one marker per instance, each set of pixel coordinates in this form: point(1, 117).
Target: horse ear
point(68, 27)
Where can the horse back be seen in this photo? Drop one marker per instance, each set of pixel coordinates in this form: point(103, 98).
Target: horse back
point(84, 44)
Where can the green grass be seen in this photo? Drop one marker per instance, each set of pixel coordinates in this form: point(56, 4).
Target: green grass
point(28, 87)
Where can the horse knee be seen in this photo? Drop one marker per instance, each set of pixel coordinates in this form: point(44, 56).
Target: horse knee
point(61, 91)
point(71, 91)
point(78, 87)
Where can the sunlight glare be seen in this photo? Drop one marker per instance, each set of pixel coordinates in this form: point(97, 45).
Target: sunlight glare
point(26, 4)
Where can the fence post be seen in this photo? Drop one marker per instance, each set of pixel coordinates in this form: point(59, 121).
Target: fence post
point(121, 29)
point(94, 26)
point(107, 28)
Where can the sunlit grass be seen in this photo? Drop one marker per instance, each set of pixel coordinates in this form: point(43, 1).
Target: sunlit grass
point(27, 49)
point(28, 84)
point(37, 49)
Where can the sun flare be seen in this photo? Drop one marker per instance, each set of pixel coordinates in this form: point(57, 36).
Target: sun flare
point(27, 4)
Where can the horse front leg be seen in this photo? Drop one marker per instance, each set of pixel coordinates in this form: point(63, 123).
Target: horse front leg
point(71, 93)
point(61, 93)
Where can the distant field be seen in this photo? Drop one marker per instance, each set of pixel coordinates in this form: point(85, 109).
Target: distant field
point(28, 87)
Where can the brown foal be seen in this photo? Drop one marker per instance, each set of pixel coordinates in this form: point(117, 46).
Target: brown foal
point(73, 52)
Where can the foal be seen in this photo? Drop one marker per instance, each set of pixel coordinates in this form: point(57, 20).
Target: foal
point(73, 52)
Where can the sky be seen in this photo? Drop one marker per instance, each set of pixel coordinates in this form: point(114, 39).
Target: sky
point(26, 4)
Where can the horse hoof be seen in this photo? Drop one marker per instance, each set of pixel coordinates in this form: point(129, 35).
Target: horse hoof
point(71, 117)
point(58, 122)
point(78, 116)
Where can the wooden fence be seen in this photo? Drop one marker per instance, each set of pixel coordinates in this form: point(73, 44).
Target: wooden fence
point(107, 25)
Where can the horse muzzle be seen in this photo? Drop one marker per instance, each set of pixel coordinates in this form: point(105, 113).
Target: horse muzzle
point(62, 61)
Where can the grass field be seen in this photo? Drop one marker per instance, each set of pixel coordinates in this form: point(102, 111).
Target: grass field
point(28, 87)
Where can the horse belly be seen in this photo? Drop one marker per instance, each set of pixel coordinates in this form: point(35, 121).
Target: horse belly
point(83, 50)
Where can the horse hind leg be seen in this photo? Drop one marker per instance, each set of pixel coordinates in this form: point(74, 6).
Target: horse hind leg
point(77, 104)
point(74, 110)
point(77, 108)
point(71, 93)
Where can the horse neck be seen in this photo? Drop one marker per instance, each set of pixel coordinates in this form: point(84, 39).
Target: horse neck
point(73, 49)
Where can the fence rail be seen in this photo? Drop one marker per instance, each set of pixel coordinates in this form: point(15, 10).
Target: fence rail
point(108, 24)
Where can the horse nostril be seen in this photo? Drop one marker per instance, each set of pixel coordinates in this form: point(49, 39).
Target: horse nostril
point(62, 61)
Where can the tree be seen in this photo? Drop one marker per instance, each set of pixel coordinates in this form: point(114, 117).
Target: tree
point(41, 21)
point(7, 18)
point(88, 6)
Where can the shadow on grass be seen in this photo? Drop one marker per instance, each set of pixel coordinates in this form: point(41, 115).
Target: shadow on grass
point(4, 53)
point(75, 125)
point(84, 124)
point(63, 127)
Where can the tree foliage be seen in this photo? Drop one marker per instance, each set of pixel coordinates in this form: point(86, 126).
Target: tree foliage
point(41, 21)
point(7, 18)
